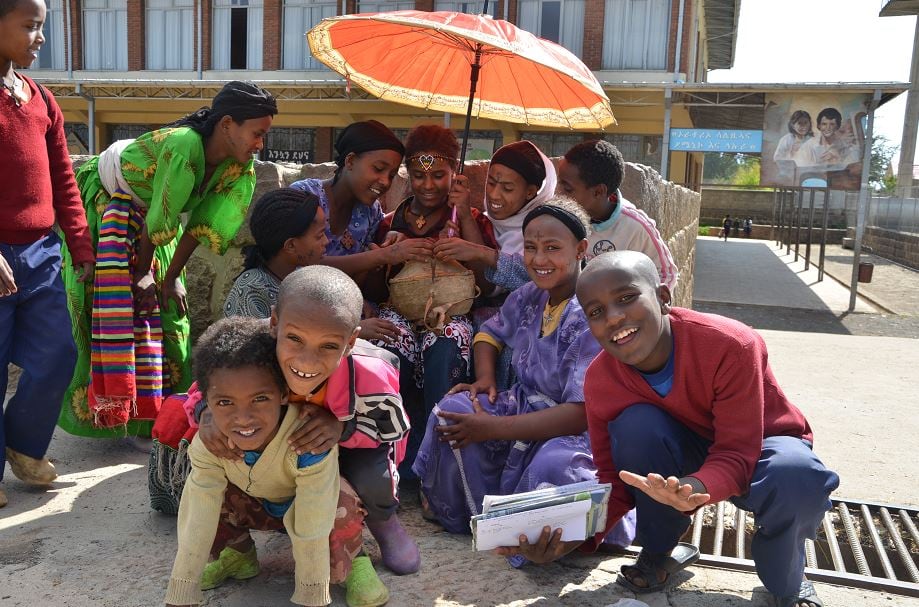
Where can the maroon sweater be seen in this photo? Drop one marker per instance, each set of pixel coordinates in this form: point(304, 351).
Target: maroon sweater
point(723, 390)
point(37, 177)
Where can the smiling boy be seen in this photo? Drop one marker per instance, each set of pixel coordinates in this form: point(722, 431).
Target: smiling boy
point(684, 408)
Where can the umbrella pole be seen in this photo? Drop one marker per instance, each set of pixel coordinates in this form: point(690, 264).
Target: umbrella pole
point(473, 80)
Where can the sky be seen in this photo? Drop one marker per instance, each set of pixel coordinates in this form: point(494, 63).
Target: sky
point(825, 41)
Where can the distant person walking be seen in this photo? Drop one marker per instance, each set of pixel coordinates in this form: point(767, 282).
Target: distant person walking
point(747, 227)
point(726, 224)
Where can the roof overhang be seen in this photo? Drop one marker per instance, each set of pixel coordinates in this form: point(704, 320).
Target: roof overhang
point(721, 18)
point(900, 8)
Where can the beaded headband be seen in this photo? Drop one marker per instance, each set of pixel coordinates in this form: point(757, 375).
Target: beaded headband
point(427, 160)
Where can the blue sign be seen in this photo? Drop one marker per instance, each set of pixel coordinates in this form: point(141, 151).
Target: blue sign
point(716, 140)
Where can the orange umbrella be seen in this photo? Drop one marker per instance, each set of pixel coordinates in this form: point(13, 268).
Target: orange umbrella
point(432, 60)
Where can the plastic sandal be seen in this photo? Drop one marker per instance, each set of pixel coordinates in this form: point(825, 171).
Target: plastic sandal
point(649, 565)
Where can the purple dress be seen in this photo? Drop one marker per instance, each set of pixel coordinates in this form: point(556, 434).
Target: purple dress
point(362, 227)
point(550, 370)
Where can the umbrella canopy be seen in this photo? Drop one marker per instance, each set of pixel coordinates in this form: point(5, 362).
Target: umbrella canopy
point(428, 60)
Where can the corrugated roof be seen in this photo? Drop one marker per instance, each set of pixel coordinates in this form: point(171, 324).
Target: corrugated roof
point(721, 17)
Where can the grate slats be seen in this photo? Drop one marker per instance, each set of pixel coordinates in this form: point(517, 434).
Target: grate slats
point(855, 539)
point(902, 551)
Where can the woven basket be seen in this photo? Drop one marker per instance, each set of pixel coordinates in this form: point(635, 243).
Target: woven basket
point(429, 293)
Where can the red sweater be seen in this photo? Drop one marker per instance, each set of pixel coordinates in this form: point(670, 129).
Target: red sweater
point(35, 170)
point(723, 390)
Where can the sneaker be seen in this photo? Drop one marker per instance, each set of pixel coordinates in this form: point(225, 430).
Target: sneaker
point(363, 588)
point(230, 564)
point(31, 471)
point(3, 500)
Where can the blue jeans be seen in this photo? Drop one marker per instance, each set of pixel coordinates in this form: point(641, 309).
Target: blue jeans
point(788, 495)
point(35, 335)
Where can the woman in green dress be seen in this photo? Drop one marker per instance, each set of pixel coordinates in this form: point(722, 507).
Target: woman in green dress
point(133, 346)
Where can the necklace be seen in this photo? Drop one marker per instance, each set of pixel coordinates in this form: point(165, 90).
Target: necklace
point(422, 219)
point(549, 313)
point(15, 89)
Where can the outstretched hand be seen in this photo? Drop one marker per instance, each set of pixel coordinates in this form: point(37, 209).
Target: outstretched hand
point(669, 491)
point(549, 547)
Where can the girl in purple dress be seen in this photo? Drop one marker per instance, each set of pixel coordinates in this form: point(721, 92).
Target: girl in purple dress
point(368, 156)
point(479, 441)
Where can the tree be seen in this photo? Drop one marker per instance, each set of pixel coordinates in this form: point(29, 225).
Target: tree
point(731, 169)
point(882, 152)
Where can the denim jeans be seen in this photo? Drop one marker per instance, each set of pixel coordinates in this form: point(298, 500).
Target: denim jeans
point(35, 335)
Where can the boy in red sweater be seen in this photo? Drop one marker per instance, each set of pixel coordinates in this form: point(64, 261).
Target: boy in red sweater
point(39, 190)
point(683, 407)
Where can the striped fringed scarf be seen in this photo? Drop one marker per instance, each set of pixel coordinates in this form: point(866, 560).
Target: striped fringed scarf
point(126, 358)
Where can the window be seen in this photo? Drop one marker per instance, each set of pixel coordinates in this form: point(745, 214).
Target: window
point(635, 34)
point(472, 7)
point(553, 144)
point(170, 37)
point(560, 21)
point(105, 35)
point(640, 149)
point(129, 131)
point(237, 32)
point(379, 6)
point(289, 145)
point(51, 55)
point(299, 17)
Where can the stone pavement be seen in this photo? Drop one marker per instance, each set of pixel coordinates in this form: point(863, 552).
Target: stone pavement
point(92, 540)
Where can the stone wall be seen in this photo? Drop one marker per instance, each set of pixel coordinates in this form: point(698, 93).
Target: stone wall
point(673, 207)
point(901, 247)
point(757, 205)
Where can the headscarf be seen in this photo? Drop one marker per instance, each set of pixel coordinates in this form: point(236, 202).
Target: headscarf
point(240, 100)
point(370, 135)
point(509, 232)
point(568, 219)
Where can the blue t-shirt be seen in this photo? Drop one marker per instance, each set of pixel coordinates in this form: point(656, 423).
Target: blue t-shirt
point(662, 381)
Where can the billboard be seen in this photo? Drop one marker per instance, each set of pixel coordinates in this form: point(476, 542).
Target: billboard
point(814, 140)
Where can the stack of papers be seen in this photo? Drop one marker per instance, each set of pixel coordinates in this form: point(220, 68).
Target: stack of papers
point(579, 510)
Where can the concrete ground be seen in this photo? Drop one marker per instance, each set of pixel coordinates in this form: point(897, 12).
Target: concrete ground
point(92, 540)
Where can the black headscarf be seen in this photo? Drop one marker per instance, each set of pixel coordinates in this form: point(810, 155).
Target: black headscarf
point(367, 136)
point(237, 99)
point(522, 156)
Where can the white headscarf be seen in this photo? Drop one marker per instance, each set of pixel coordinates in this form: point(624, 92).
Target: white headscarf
point(509, 232)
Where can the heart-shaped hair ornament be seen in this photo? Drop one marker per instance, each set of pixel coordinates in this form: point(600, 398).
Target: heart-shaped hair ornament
point(426, 161)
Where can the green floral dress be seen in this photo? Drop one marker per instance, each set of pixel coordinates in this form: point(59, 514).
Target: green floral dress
point(165, 171)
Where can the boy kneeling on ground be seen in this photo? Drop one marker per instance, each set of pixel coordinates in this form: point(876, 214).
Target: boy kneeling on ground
point(684, 408)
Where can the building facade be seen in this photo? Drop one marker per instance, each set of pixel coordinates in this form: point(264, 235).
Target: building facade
point(120, 67)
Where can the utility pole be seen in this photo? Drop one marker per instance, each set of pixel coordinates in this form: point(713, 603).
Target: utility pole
point(894, 8)
point(910, 124)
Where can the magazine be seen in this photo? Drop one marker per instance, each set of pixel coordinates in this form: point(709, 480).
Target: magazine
point(579, 510)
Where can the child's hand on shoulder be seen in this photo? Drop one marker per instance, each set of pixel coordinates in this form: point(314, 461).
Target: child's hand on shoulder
point(321, 432)
point(216, 441)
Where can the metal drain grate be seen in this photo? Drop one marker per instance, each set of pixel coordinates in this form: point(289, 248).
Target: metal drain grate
point(860, 544)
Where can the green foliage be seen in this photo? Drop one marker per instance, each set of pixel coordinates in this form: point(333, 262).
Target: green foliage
point(731, 169)
point(882, 152)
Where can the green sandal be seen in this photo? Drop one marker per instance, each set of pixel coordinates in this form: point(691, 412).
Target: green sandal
point(230, 564)
point(363, 587)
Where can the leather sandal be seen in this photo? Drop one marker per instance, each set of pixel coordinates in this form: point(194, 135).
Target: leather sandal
point(649, 566)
